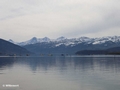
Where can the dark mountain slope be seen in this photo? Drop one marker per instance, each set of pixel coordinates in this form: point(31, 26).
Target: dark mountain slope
point(9, 48)
point(114, 50)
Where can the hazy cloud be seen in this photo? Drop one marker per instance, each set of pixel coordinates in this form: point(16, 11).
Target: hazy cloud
point(23, 19)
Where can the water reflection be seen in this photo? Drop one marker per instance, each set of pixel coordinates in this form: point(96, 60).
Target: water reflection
point(56, 73)
point(34, 63)
point(6, 63)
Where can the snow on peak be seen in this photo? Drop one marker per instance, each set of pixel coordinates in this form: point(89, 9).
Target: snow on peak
point(33, 40)
point(10, 40)
point(83, 39)
point(107, 38)
point(45, 39)
point(61, 38)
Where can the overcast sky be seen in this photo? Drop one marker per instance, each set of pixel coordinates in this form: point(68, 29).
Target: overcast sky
point(21, 20)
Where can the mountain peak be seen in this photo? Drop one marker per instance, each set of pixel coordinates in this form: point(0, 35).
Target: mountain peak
point(61, 38)
point(45, 39)
point(34, 38)
point(10, 40)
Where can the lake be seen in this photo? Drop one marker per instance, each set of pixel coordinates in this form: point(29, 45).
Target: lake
point(60, 73)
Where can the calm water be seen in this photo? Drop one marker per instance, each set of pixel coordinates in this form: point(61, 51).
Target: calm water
point(60, 73)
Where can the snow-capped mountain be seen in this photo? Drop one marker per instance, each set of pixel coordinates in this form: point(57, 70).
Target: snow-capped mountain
point(72, 41)
point(10, 40)
point(60, 39)
point(69, 45)
point(33, 40)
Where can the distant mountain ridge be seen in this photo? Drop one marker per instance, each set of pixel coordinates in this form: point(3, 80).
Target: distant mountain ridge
point(72, 45)
point(67, 42)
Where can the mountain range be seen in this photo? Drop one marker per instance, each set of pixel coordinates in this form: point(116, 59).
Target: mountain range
point(68, 45)
point(67, 42)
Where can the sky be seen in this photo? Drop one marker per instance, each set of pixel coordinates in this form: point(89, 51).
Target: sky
point(21, 20)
